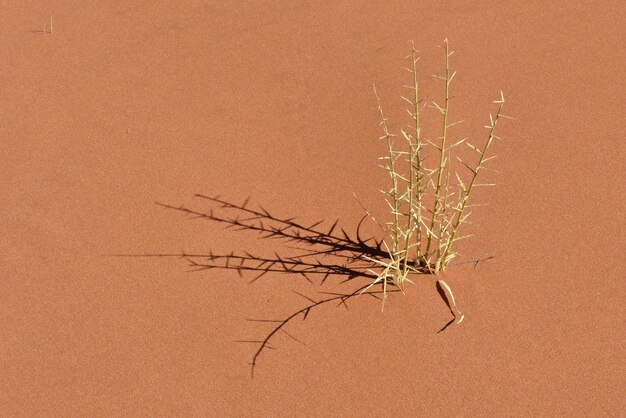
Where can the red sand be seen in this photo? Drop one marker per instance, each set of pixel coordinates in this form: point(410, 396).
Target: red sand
point(122, 106)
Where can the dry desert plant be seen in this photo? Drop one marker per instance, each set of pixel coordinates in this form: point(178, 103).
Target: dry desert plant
point(429, 205)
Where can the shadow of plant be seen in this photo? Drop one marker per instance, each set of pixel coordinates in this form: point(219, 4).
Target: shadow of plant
point(316, 245)
point(321, 253)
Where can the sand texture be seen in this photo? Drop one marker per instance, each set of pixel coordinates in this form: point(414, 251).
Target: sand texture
point(125, 104)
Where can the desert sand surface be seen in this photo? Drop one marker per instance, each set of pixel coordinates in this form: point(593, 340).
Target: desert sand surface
point(125, 104)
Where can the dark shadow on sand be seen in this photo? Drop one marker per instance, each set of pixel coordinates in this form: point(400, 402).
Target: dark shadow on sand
point(320, 253)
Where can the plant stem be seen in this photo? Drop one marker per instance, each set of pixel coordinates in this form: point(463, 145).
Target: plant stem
point(463, 202)
point(442, 162)
point(391, 168)
point(415, 171)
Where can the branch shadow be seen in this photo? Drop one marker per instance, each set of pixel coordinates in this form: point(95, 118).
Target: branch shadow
point(322, 252)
